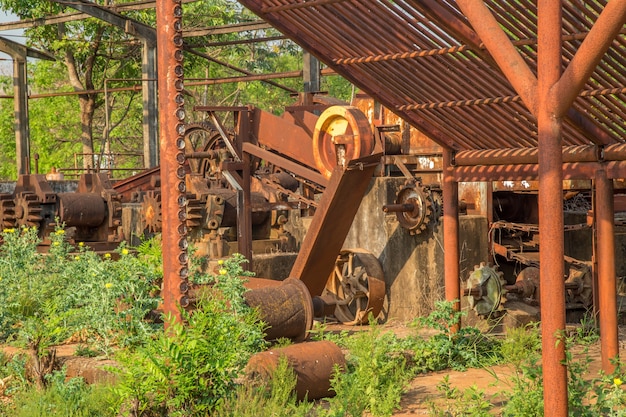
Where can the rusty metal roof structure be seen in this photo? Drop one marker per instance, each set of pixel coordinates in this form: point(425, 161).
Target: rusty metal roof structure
point(423, 60)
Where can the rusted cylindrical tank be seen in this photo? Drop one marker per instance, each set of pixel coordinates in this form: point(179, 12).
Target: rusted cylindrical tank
point(313, 363)
point(81, 209)
point(287, 309)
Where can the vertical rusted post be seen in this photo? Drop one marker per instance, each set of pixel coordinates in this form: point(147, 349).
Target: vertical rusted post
point(606, 270)
point(244, 206)
point(451, 233)
point(172, 153)
point(20, 99)
point(549, 15)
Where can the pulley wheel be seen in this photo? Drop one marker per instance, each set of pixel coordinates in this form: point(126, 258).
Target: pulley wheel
point(357, 285)
point(415, 195)
point(485, 287)
point(342, 133)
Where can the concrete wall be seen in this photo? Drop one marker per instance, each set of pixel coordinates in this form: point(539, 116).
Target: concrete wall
point(413, 264)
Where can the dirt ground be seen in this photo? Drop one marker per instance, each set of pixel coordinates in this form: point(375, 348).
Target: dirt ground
point(423, 389)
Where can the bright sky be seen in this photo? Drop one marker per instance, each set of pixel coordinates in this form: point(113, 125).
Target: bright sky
point(6, 67)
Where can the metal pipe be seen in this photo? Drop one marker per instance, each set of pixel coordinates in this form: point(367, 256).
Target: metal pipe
point(571, 171)
point(552, 270)
point(398, 208)
point(582, 153)
point(607, 296)
point(314, 364)
point(451, 255)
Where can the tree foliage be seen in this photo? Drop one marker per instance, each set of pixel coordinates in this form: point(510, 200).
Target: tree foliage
point(91, 55)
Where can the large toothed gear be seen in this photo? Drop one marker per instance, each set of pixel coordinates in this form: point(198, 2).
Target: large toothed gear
point(415, 194)
point(485, 289)
point(151, 211)
point(27, 210)
point(7, 211)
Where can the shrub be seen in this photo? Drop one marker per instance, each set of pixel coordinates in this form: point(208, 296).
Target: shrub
point(190, 369)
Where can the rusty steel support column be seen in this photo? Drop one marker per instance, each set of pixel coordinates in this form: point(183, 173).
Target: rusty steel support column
point(244, 205)
point(552, 247)
point(172, 154)
point(451, 255)
point(607, 297)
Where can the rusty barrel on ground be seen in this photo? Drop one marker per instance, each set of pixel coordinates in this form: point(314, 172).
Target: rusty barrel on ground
point(312, 362)
point(287, 309)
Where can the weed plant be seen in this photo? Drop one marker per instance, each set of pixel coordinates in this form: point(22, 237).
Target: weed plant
point(275, 398)
point(449, 349)
point(192, 367)
point(375, 378)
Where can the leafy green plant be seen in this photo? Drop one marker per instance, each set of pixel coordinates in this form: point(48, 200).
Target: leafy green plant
point(468, 403)
point(375, 378)
point(63, 398)
point(449, 349)
point(276, 398)
point(192, 367)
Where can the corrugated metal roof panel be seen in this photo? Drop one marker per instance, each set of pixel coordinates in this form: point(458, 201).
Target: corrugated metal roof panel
point(417, 58)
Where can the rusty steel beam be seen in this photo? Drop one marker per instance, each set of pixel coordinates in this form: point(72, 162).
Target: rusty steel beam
point(582, 153)
point(172, 156)
point(433, 9)
point(603, 32)
point(293, 167)
point(607, 293)
point(508, 172)
point(551, 239)
point(332, 221)
point(502, 50)
point(451, 255)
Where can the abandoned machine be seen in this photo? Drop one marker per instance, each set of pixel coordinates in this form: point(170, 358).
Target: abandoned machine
point(367, 240)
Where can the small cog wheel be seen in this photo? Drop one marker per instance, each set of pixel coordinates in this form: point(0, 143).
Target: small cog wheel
point(27, 210)
point(485, 289)
point(195, 211)
point(7, 211)
point(151, 211)
point(414, 194)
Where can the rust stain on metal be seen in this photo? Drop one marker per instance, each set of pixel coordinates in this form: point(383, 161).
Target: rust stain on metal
point(172, 151)
point(287, 308)
point(332, 221)
point(314, 364)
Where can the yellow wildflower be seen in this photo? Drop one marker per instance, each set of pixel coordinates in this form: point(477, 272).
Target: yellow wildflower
point(223, 271)
point(617, 382)
point(76, 258)
point(81, 244)
point(55, 243)
point(108, 285)
point(220, 262)
point(107, 256)
point(60, 232)
point(11, 230)
point(124, 251)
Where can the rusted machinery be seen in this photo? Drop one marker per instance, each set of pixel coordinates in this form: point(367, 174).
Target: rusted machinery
point(91, 214)
point(290, 160)
point(514, 243)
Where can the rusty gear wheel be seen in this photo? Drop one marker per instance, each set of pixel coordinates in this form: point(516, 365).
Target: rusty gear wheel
point(151, 214)
point(203, 137)
point(357, 285)
point(415, 194)
point(7, 211)
point(27, 210)
point(485, 289)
